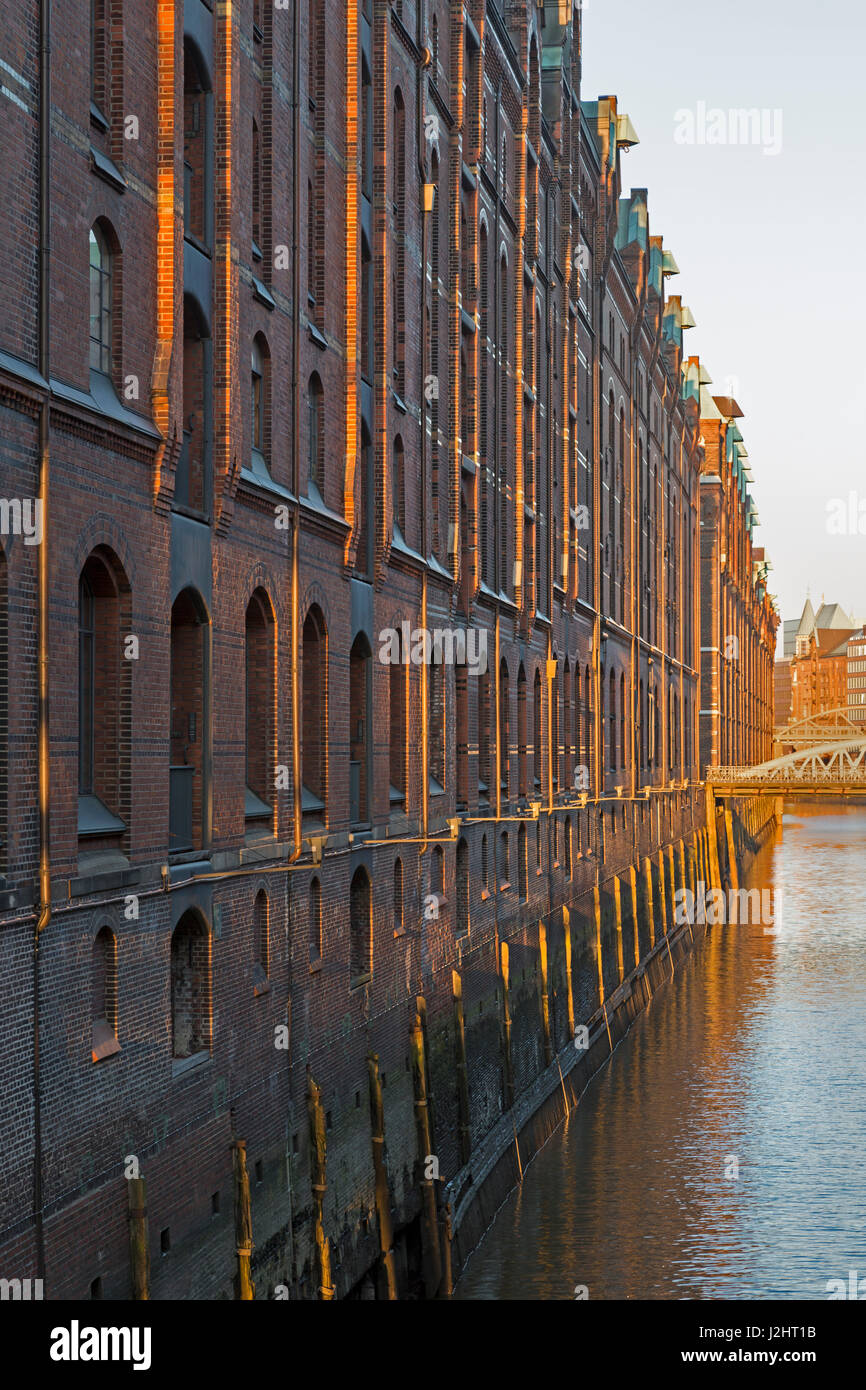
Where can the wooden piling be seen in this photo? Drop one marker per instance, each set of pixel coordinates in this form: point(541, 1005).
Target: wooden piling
point(596, 910)
point(464, 1135)
point(545, 995)
point(632, 884)
point(380, 1177)
point(139, 1245)
point(617, 907)
point(431, 1254)
point(649, 906)
point(243, 1221)
point(569, 986)
point(319, 1186)
point(507, 1071)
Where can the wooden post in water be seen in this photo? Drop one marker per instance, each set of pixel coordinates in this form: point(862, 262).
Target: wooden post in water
point(545, 997)
point(139, 1245)
point(663, 896)
point(569, 987)
point(431, 1253)
point(506, 1028)
point(596, 909)
point(464, 1136)
point(713, 840)
point(673, 887)
point(243, 1221)
point(319, 1186)
point(732, 853)
point(617, 907)
point(380, 1176)
point(648, 896)
point(632, 883)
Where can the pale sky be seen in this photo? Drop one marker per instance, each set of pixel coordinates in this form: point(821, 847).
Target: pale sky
point(770, 247)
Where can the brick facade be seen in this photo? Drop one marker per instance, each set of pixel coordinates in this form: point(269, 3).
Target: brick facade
point(388, 345)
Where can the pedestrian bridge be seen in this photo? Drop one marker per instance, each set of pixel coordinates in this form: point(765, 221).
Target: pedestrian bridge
point(833, 768)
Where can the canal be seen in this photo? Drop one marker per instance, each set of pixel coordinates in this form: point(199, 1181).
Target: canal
point(721, 1151)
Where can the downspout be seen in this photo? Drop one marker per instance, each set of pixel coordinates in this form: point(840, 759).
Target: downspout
point(43, 597)
point(498, 575)
point(296, 420)
point(427, 196)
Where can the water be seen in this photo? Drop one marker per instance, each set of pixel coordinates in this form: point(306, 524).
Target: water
point(753, 1055)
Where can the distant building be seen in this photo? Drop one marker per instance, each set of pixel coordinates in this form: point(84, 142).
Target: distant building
point(812, 677)
point(856, 677)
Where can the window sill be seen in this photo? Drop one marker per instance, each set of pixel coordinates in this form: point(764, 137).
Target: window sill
point(316, 966)
point(504, 887)
point(485, 894)
point(317, 337)
point(104, 1043)
point(398, 932)
point(181, 1065)
point(106, 169)
point(97, 118)
point(360, 980)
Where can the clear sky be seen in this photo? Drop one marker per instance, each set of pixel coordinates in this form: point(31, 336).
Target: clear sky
point(770, 246)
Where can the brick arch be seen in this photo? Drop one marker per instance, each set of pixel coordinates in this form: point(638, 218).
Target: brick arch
point(261, 579)
point(315, 597)
point(103, 532)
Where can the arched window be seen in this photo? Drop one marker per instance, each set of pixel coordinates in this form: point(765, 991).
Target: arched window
point(623, 739)
point(190, 987)
point(104, 704)
point(504, 704)
point(192, 479)
point(483, 695)
point(521, 732)
point(261, 941)
point(315, 921)
point(399, 196)
point(436, 722)
point(434, 45)
point(437, 872)
point(100, 56)
point(189, 662)
point(485, 865)
point(483, 407)
point(536, 731)
point(611, 714)
point(397, 674)
point(360, 697)
point(567, 836)
point(398, 895)
point(103, 995)
point(314, 746)
point(260, 701)
point(578, 778)
point(360, 928)
point(462, 923)
point(398, 485)
point(4, 716)
point(257, 193)
point(316, 433)
point(197, 147)
point(502, 865)
point(101, 291)
point(522, 868)
point(260, 370)
point(554, 727)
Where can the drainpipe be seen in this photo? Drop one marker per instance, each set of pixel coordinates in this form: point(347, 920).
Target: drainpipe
point(296, 419)
point(42, 601)
point(427, 195)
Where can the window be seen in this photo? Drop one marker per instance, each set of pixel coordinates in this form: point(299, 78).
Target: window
point(483, 714)
point(259, 664)
point(504, 697)
point(315, 921)
point(104, 703)
point(4, 716)
point(398, 484)
point(316, 433)
point(436, 720)
point(101, 359)
point(399, 198)
point(192, 479)
point(197, 148)
point(485, 865)
point(187, 799)
point(437, 872)
point(315, 715)
point(257, 194)
point(261, 942)
point(360, 928)
point(536, 731)
point(462, 924)
point(521, 732)
point(522, 871)
point(398, 896)
point(360, 696)
point(190, 987)
point(611, 714)
point(623, 746)
point(100, 51)
point(397, 672)
point(502, 860)
point(260, 370)
point(567, 831)
point(103, 994)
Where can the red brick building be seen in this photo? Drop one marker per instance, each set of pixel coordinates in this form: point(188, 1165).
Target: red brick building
point(318, 322)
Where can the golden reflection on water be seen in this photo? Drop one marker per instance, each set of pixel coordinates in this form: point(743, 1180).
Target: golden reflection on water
point(752, 1057)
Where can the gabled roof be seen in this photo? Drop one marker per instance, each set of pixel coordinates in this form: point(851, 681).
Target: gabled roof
point(833, 615)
